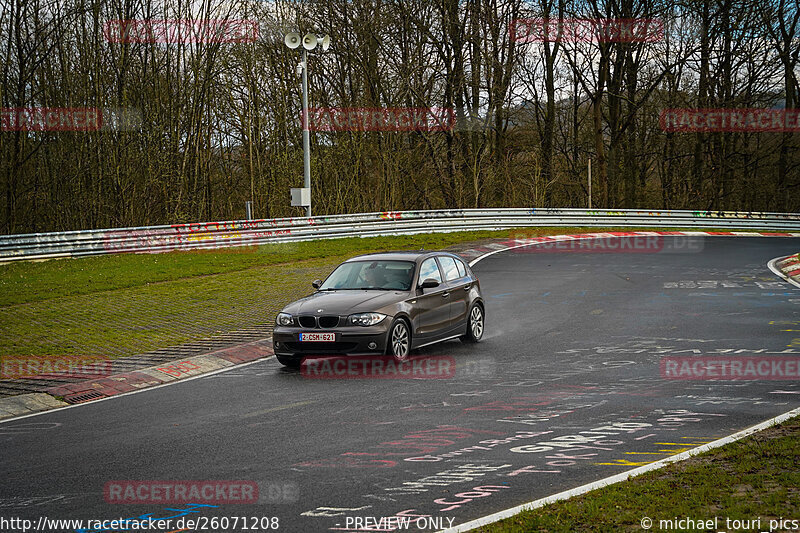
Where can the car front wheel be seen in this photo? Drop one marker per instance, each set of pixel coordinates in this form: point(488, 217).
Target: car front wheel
point(399, 340)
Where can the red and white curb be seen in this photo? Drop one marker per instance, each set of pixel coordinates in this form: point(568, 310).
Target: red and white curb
point(787, 268)
point(24, 405)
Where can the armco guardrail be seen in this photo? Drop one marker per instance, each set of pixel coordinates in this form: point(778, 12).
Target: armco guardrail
point(207, 235)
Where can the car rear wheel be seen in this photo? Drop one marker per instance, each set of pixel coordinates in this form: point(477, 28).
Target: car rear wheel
point(475, 324)
point(289, 361)
point(399, 340)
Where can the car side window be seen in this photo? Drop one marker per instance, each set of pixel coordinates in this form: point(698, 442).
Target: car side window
point(462, 270)
point(429, 269)
point(449, 267)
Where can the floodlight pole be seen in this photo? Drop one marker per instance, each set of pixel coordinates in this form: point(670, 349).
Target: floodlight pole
point(306, 136)
point(309, 42)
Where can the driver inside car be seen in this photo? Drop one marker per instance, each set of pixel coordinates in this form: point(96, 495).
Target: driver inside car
point(374, 277)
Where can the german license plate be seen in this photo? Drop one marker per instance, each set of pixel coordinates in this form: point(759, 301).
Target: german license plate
point(318, 337)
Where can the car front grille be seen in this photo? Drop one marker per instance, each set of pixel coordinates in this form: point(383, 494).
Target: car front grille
point(328, 321)
point(307, 321)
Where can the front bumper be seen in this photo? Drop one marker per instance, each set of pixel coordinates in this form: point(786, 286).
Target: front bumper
point(350, 340)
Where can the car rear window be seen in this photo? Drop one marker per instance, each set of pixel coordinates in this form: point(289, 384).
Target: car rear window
point(462, 270)
point(449, 267)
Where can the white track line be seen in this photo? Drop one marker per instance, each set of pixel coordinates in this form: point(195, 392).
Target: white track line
point(550, 240)
point(620, 477)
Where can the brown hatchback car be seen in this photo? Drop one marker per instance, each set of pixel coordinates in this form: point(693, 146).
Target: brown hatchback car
point(386, 303)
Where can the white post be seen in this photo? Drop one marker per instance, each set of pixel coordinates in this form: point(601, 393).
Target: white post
point(306, 140)
point(590, 183)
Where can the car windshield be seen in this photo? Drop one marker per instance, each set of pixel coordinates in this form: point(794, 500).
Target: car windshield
point(376, 275)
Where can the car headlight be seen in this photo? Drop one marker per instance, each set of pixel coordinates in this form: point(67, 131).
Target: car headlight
point(284, 319)
point(365, 319)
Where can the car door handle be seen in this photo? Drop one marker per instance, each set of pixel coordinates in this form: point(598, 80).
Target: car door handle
point(466, 287)
point(445, 295)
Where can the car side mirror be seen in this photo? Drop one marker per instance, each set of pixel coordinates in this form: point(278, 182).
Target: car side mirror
point(429, 283)
point(316, 283)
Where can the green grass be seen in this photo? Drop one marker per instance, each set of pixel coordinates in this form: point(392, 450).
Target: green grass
point(25, 282)
point(120, 305)
point(130, 320)
point(756, 477)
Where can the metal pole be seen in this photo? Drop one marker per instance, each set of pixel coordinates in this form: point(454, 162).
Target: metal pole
point(306, 139)
point(248, 205)
point(590, 183)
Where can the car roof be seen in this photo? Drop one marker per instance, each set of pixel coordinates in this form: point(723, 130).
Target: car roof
point(400, 255)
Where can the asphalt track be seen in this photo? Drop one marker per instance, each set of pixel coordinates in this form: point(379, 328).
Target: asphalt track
point(567, 387)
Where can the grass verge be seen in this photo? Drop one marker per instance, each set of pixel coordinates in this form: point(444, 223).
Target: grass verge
point(751, 479)
point(25, 282)
point(126, 304)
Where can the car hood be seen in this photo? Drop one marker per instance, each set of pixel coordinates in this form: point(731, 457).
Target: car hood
point(345, 302)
